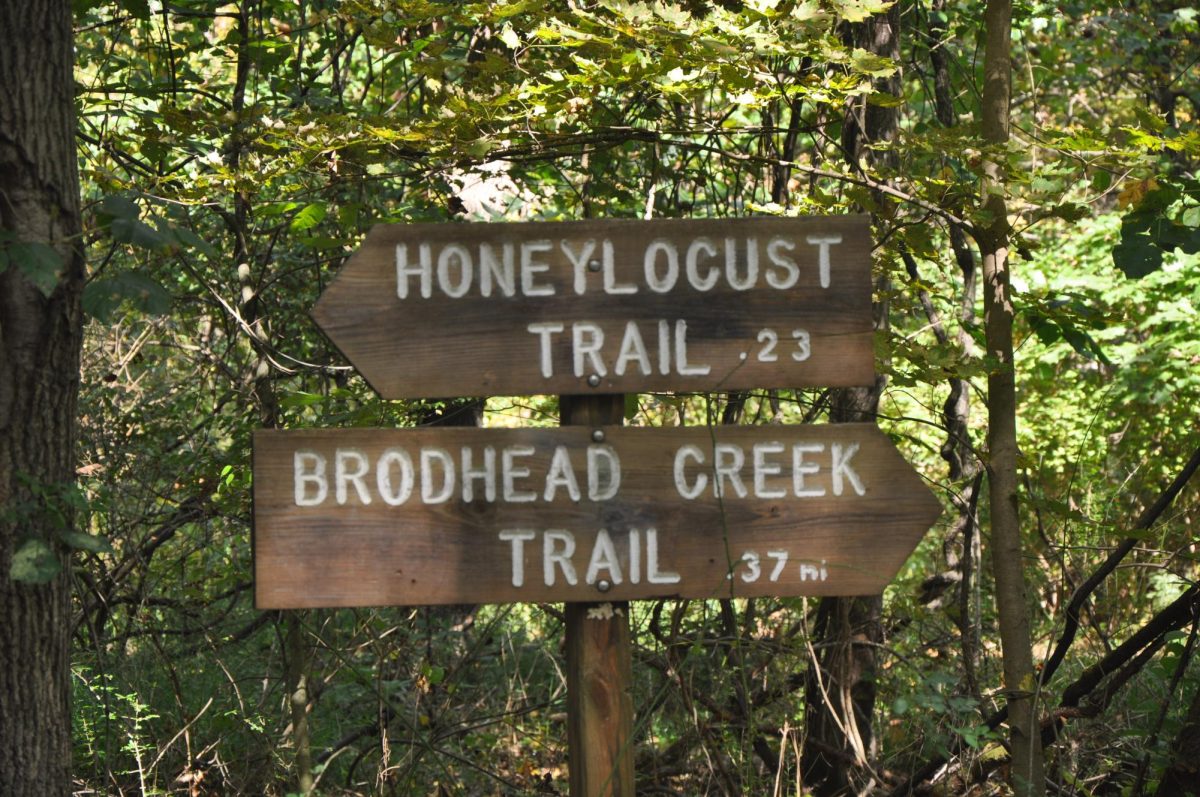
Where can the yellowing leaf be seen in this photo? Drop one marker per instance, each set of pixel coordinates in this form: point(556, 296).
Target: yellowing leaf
point(1133, 192)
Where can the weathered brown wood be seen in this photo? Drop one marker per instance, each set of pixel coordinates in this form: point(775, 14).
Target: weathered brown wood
point(599, 700)
point(421, 552)
point(783, 328)
point(599, 661)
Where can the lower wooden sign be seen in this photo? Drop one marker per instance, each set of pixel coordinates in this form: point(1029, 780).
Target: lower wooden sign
point(371, 517)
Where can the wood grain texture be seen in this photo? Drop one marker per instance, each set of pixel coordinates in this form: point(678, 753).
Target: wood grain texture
point(482, 345)
point(599, 700)
point(357, 554)
point(599, 671)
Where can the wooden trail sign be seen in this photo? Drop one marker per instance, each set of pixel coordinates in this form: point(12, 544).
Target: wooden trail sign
point(606, 306)
point(359, 517)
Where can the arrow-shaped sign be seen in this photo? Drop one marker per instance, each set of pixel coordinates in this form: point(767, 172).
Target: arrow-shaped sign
point(359, 517)
point(606, 306)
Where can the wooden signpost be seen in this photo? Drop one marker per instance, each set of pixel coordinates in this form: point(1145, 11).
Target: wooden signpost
point(606, 306)
point(372, 517)
point(592, 513)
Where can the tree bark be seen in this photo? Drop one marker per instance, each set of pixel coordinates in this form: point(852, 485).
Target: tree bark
point(1027, 774)
point(40, 340)
point(840, 686)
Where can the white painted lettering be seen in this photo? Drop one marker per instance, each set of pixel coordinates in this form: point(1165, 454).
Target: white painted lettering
point(579, 262)
point(510, 472)
point(731, 265)
point(446, 262)
point(423, 269)
point(753, 567)
point(485, 473)
point(692, 265)
point(692, 491)
point(429, 493)
point(790, 271)
point(610, 274)
point(530, 268)
point(824, 241)
point(553, 555)
point(561, 474)
point(308, 468)
point(780, 558)
point(399, 458)
point(587, 338)
point(604, 557)
point(801, 469)
point(633, 348)
point(544, 330)
point(664, 347)
point(604, 472)
point(681, 354)
point(518, 538)
point(650, 264)
point(841, 468)
point(497, 270)
point(349, 467)
point(763, 469)
point(653, 574)
point(728, 460)
point(635, 556)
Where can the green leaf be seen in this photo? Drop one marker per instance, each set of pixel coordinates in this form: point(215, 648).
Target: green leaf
point(882, 99)
point(34, 563)
point(40, 262)
point(122, 217)
point(189, 239)
point(85, 542)
point(116, 207)
point(1070, 211)
point(103, 296)
point(309, 217)
point(631, 405)
point(140, 9)
point(300, 399)
point(870, 64)
point(1150, 119)
point(1146, 237)
point(858, 10)
point(139, 233)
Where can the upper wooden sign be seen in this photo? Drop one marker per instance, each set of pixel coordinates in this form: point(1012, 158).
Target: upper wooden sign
point(366, 517)
point(425, 310)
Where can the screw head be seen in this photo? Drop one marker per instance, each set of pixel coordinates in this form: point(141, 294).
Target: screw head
point(594, 380)
point(593, 265)
point(597, 435)
point(604, 585)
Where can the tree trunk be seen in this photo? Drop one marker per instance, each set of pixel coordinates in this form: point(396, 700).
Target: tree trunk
point(840, 685)
point(40, 340)
point(1007, 556)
